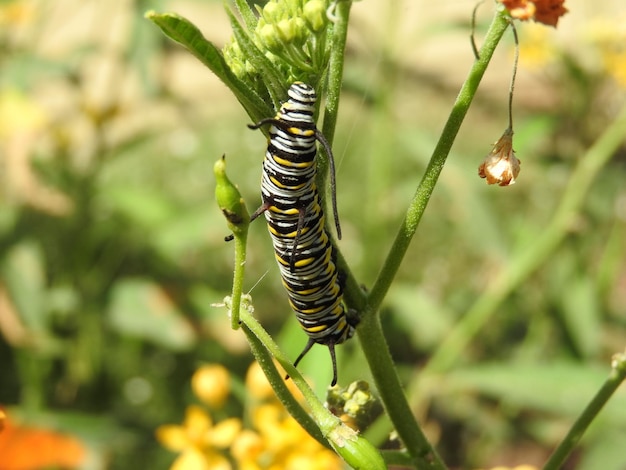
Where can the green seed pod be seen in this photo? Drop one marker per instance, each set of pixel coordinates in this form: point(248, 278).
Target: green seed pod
point(229, 199)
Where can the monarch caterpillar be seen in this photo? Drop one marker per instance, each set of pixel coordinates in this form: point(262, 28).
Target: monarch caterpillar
point(291, 204)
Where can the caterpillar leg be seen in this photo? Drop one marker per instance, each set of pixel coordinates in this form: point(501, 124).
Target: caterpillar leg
point(265, 206)
point(333, 358)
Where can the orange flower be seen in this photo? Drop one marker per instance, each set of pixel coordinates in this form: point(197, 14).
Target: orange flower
point(501, 165)
point(26, 448)
point(542, 11)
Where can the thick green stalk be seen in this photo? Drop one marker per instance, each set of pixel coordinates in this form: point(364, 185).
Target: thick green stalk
point(335, 78)
point(335, 69)
point(389, 387)
point(353, 293)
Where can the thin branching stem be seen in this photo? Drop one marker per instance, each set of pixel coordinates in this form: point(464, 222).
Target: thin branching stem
point(513, 75)
point(437, 160)
point(529, 258)
point(370, 332)
point(612, 383)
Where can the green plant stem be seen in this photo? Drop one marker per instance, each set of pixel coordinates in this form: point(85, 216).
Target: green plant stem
point(615, 379)
point(353, 293)
point(325, 427)
point(254, 332)
point(262, 343)
point(333, 93)
point(389, 387)
point(335, 69)
point(530, 258)
point(437, 160)
point(370, 332)
point(239, 271)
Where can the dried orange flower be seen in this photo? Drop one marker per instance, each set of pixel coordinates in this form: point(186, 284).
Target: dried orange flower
point(501, 165)
point(542, 11)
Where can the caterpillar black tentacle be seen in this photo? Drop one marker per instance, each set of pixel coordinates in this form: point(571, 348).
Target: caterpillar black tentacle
point(291, 204)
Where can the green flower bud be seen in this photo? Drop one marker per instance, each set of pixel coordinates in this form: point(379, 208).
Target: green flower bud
point(302, 32)
point(270, 38)
point(229, 199)
point(272, 12)
point(357, 451)
point(286, 30)
point(314, 13)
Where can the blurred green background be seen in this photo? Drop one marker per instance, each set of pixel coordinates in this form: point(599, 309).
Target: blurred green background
point(112, 251)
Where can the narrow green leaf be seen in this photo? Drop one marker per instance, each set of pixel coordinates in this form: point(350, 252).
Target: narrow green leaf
point(262, 64)
point(23, 275)
point(558, 387)
point(605, 450)
point(248, 16)
point(142, 309)
point(189, 36)
point(582, 317)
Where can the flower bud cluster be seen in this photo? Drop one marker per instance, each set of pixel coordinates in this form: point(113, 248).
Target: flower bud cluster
point(291, 34)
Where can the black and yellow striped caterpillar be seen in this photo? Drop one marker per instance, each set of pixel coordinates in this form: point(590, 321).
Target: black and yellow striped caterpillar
point(291, 204)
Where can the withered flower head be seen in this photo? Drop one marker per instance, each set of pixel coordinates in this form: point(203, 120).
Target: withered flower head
point(542, 11)
point(501, 165)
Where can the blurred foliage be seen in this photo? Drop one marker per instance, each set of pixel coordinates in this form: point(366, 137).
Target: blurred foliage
point(112, 252)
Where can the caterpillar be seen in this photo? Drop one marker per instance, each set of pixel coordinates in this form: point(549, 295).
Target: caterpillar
point(291, 204)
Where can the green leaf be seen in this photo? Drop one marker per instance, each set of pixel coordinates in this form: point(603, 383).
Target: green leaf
point(23, 274)
point(273, 81)
point(605, 450)
point(188, 35)
point(423, 319)
point(143, 309)
point(248, 16)
point(581, 316)
point(559, 387)
point(148, 208)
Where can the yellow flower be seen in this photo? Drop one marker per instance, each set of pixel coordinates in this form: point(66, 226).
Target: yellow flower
point(501, 165)
point(19, 114)
point(538, 48)
point(608, 35)
point(247, 449)
point(257, 384)
point(519, 467)
point(16, 13)
point(274, 441)
point(211, 383)
point(198, 440)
